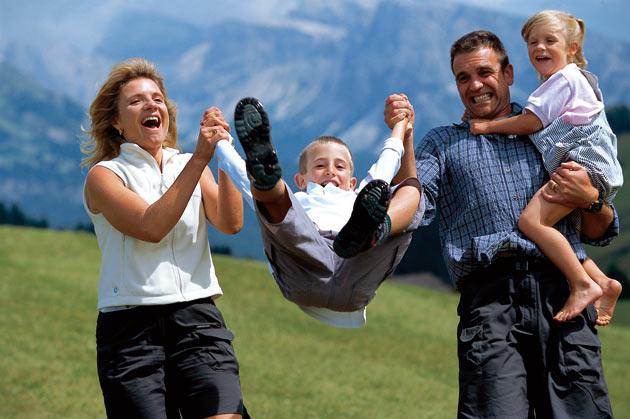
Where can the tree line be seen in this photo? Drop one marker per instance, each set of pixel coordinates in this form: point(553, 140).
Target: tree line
point(12, 214)
point(619, 119)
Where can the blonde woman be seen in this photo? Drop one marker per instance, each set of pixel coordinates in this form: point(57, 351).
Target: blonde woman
point(163, 347)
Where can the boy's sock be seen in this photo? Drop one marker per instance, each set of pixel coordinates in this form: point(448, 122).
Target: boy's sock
point(382, 232)
point(369, 214)
point(254, 133)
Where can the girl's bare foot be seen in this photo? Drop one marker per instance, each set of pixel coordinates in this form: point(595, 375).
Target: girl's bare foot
point(605, 306)
point(580, 296)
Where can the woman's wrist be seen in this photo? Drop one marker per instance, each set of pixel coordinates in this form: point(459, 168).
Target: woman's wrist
point(199, 160)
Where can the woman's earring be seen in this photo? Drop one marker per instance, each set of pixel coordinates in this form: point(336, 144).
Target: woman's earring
point(121, 131)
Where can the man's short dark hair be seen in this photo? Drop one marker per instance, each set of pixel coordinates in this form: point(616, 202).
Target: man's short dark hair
point(473, 41)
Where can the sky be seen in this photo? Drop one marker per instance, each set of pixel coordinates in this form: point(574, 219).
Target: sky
point(41, 21)
point(608, 17)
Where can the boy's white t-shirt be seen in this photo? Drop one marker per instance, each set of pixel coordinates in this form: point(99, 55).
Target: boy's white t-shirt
point(330, 207)
point(567, 94)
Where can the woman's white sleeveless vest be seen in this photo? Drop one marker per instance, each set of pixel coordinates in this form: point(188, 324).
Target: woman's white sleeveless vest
point(136, 272)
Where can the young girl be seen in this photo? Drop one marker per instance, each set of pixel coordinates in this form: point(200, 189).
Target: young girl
point(566, 118)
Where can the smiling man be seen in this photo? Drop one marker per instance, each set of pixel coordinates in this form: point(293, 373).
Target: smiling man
point(515, 361)
point(483, 78)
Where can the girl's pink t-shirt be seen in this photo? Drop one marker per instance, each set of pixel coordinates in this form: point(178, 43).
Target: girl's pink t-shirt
point(567, 94)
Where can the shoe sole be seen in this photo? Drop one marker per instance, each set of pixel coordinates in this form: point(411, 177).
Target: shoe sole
point(254, 134)
point(368, 212)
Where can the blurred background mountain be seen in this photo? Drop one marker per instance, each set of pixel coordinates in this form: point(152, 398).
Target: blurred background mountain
point(319, 67)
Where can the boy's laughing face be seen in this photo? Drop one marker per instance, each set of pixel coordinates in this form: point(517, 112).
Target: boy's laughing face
point(328, 163)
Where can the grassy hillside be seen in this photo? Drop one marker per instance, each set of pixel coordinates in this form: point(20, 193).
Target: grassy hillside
point(401, 365)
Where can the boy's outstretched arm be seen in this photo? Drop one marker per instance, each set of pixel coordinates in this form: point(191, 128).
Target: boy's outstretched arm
point(399, 116)
point(408, 160)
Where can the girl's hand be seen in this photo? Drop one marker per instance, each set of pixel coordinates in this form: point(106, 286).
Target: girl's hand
point(479, 126)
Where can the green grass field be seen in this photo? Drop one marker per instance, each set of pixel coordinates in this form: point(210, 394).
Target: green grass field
point(401, 365)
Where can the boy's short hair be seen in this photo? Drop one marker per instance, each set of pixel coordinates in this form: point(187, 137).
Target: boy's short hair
point(324, 139)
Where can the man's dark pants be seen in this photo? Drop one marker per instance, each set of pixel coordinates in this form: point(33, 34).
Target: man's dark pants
point(515, 361)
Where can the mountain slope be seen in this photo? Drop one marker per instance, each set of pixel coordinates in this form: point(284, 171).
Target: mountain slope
point(39, 149)
point(323, 68)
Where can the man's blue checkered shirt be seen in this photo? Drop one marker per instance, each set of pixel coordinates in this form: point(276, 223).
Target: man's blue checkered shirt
point(480, 184)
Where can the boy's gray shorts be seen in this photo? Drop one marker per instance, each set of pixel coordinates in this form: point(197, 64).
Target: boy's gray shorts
point(310, 273)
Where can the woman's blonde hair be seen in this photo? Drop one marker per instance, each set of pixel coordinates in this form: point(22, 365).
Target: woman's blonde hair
point(104, 140)
point(571, 27)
